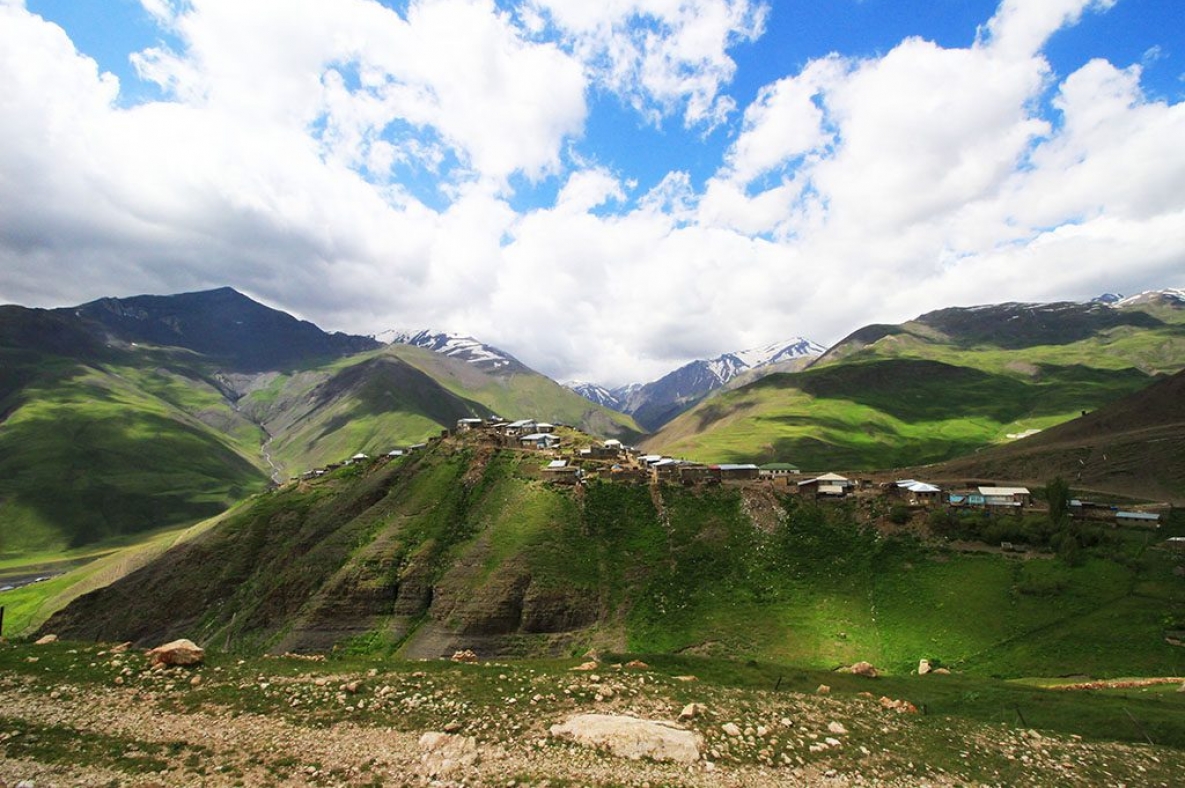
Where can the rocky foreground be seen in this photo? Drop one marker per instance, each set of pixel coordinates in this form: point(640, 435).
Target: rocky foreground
point(89, 715)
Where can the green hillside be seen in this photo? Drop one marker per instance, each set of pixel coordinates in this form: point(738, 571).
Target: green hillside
point(106, 429)
point(373, 402)
point(464, 546)
point(938, 387)
point(92, 452)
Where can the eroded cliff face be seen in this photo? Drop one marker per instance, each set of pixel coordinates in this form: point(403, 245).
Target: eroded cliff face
point(463, 546)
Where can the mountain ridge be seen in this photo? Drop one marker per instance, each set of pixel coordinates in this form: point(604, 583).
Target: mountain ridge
point(654, 404)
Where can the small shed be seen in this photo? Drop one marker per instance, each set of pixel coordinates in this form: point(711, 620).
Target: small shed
point(1146, 519)
point(829, 485)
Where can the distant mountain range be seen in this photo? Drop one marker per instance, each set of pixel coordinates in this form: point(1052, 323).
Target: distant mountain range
point(943, 385)
point(129, 414)
point(654, 404)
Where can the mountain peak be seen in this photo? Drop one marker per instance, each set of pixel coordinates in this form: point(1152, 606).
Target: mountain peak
point(223, 324)
point(463, 348)
point(655, 403)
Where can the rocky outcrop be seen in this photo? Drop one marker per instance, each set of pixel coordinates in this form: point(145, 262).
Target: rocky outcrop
point(178, 652)
point(631, 737)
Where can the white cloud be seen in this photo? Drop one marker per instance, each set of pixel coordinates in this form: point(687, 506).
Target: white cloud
point(852, 191)
point(663, 56)
point(1021, 27)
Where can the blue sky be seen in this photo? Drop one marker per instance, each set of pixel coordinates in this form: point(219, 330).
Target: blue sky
point(607, 190)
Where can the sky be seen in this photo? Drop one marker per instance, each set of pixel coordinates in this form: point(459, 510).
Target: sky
point(606, 190)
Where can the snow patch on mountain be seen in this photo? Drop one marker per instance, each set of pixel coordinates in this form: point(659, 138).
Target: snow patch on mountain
point(1174, 295)
point(462, 348)
point(730, 365)
point(594, 393)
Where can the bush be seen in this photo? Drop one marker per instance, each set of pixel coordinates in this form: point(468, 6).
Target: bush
point(899, 514)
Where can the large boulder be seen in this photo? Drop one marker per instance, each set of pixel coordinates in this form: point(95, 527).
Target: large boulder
point(445, 754)
point(631, 737)
point(864, 669)
point(178, 652)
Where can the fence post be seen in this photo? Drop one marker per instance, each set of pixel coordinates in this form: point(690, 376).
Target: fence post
point(1, 621)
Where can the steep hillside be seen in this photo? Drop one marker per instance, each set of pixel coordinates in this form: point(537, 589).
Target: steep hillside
point(943, 385)
point(466, 546)
point(126, 415)
point(96, 442)
point(1129, 447)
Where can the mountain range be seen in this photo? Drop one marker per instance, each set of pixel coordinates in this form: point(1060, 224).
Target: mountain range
point(131, 414)
point(945, 384)
point(654, 404)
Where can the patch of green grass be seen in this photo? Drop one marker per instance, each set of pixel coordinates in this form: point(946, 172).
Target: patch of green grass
point(90, 456)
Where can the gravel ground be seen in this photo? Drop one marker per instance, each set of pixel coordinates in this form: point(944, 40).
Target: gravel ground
point(99, 718)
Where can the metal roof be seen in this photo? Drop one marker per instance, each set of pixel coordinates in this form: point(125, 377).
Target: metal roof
point(1005, 492)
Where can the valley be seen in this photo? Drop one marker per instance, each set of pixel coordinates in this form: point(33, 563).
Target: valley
point(201, 490)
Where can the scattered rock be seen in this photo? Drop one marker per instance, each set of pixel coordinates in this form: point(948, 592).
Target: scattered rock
point(924, 667)
point(732, 729)
point(586, 666)
point(865, 669)
point(178, 652)
point(195, 681)
point(637, 664)
point(445, 754)
point(941, 672)
point(837, 728)
point(685, 678)
point(452, 726)
point(631, 737)
point(45, 640)
point(464, 656)
point(352, 687)
point(823, 689)
point(121, 647)
point(691, 711)
point(899, 706)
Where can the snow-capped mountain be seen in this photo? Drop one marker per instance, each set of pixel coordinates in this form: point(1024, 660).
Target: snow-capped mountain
point(486, 357)
point(730, 365)
point(594, 393)
point(656, 403)
point(1173, 296)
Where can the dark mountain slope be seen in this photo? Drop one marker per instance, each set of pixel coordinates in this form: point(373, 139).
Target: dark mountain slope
point(1134, 446)
point(228, 327)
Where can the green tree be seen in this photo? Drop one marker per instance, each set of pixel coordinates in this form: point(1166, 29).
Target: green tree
point(1057, 495)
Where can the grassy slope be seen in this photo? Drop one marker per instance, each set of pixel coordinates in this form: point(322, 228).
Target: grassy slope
point(520, 396)
point(913, 396)
point(694, 577)
point(91, 452)
point(328, 413)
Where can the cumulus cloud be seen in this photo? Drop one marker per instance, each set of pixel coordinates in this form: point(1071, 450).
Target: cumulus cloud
point(366, 169)
point(662, 56)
